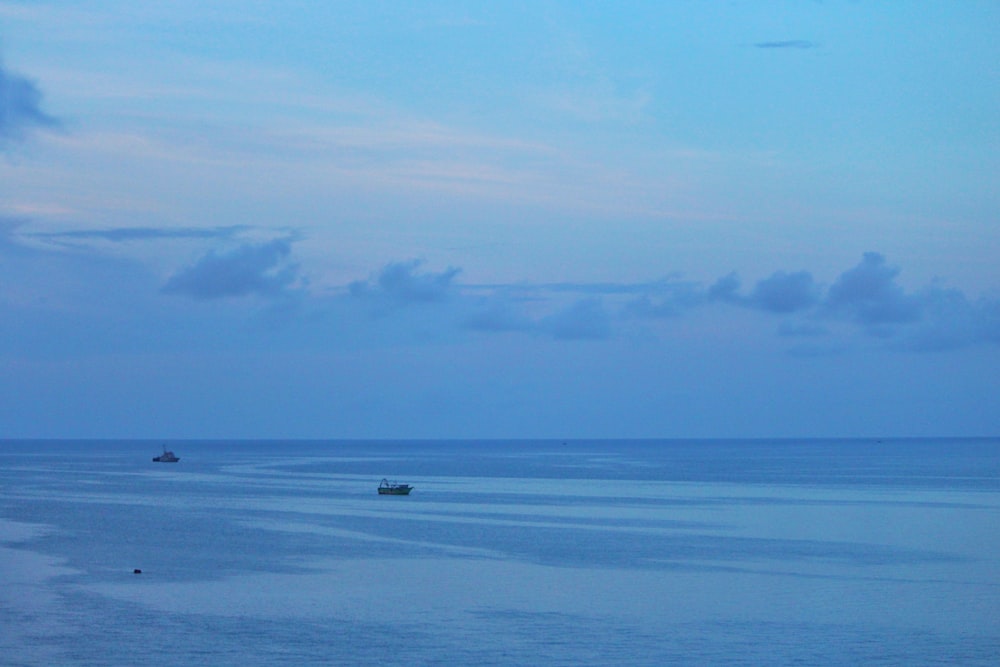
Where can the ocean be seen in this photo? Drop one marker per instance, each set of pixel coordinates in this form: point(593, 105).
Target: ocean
point(543, 553)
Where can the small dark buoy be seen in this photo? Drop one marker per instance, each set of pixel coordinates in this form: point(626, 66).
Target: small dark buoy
point(136, 571)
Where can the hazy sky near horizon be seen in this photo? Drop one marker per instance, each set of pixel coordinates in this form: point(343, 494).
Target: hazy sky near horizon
point(511, 219)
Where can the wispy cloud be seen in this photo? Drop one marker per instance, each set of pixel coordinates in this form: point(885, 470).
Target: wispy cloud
point(598, 101)
point(252, 269)
point(126, 234)
point(20, 107)
point(787, 44)
point(8, 227)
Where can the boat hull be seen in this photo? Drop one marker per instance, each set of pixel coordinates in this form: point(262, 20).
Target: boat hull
point(387, 488)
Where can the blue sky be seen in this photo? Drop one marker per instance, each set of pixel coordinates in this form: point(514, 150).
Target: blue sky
point(538, 219)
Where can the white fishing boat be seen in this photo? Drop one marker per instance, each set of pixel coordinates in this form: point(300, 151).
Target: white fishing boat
point(387, 488)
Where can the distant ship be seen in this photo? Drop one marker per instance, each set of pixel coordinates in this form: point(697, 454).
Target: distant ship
point(387, 488)
point(166, 457)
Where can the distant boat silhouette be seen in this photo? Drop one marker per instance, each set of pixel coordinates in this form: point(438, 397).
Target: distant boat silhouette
point(387, 488)
point(166, 457)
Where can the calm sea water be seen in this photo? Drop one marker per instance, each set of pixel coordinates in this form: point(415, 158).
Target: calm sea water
point(506, 553)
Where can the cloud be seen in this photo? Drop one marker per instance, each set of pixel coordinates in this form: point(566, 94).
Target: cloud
point(401, 283)
point(949, 320)
point(787, 44)
point(726, 289)
point(865, 298)
point(868, 295)
point(126, 234)
point(20, 107)
point(786, 292)
point(586, 319)
point(8, 225)
point(506, 310)
point(668, 298)
point(501, 309)
point(780, 293)
point(988, 320)
point(251, 269)
point(497, 313)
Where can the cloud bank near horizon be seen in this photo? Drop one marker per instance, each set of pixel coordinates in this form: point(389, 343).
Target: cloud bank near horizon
point(865, 299)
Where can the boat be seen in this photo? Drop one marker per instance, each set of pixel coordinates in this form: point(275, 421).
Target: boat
point(166, 457)
point(387, 488)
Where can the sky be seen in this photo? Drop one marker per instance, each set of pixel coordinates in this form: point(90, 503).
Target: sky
point(499, 220)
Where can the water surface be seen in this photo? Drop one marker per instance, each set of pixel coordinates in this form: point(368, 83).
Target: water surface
point(506, 553)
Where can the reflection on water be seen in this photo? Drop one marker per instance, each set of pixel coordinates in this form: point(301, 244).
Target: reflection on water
point(735, 552)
